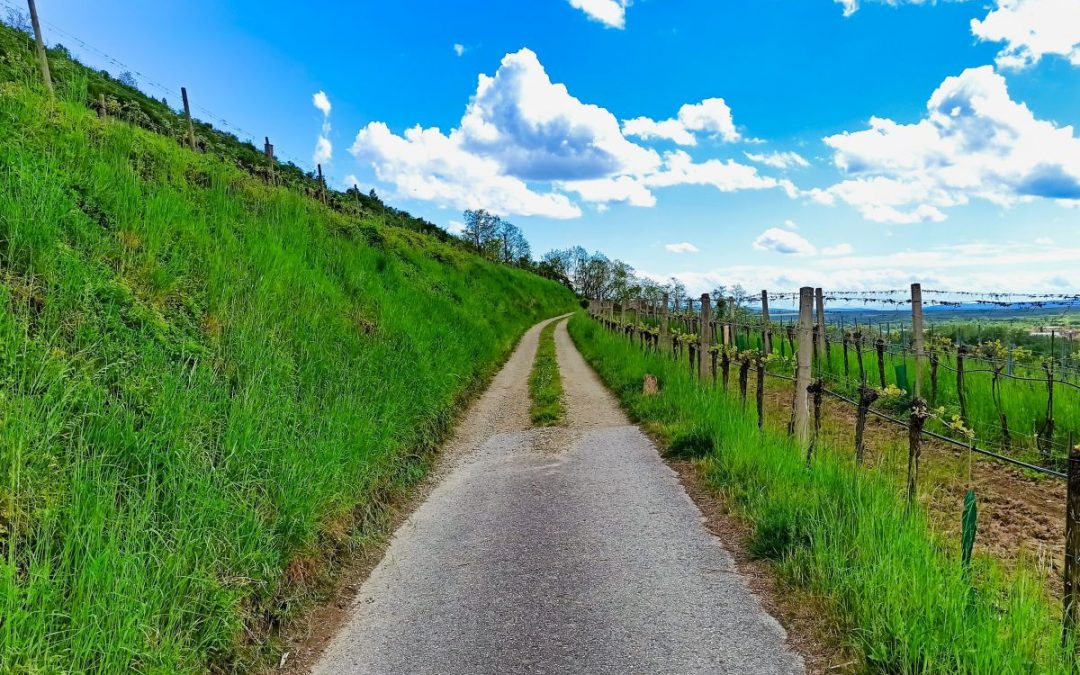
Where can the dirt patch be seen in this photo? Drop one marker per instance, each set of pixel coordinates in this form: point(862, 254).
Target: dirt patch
point(1021, 516)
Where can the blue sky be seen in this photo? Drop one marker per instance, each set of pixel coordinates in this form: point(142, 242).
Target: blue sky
point(720, 141)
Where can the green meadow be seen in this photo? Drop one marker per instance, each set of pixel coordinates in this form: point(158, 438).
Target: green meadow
point(210, 389)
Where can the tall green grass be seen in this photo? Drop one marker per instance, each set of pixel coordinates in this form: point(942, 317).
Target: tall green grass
point(545, 382)
point(205, 385)
point(843, 533)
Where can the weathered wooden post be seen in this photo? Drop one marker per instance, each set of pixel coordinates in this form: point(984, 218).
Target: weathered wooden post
point(664, 321)
point(268, 149)
point(322, 183)
point(1072, 546)
point(819, 296)
point(43, 58)
point(766, 332)
point(187, 118)
point(704, 337)
point(917, 335)
point(803, 366)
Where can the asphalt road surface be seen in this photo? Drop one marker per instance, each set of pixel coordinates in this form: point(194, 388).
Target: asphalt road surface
point(568, 550)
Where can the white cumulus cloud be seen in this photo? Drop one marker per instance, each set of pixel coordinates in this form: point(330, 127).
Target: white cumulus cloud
point(974, 143)
point(459, 49)
point(324, 150)
point(1032, 29)
point(322, 102)
point(611, 13)
point(779, 160)
point(524, 143)
point(429, 165)
point(712, 116)
point(681, 247)
point(785, 242)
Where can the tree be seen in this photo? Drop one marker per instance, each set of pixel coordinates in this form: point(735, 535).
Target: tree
point(677, 291)
point(513, 247)
point(19, 20)
point(481, 229)
point(128, 79)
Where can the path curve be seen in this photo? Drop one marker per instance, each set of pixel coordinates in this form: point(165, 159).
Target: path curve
point(568, 550)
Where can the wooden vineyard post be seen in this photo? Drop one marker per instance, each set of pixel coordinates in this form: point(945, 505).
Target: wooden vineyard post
point(704, 337)
point(187, 118)
point(880, 346)
point(39, 41)
point(268, 150)
point(761, 362)
point(1072, 546)
point(322, 183)
point(960, 352)
point(622, 311)
point(664, 321)
point(766, 331)
point(819, 297)
point(803, 365)
point(847, 365)
point(744, 377)
point(917, 335)
point(856, 339)
point(1046, 432)
point(817, 388)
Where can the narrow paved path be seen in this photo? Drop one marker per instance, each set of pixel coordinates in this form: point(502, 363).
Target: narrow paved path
point(570, 550)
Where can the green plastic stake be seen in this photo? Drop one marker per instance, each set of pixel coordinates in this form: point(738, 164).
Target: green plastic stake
point(970, 526)
point(901, 377)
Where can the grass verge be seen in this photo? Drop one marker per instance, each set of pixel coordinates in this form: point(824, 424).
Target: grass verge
point(545, 383)
point(209, 388)
point(905, 601)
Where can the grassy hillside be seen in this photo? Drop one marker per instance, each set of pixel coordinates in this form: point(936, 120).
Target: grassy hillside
point(206, 385)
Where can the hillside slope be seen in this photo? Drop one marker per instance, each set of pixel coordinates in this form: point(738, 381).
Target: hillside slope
point(206, 385)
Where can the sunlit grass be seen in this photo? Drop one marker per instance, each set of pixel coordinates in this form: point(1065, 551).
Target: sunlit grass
point(206, 385)
point(902, 595)
point(545, 383)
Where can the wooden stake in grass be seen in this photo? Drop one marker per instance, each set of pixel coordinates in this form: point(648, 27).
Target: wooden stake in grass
point(1072, 545)
point(187, 118)
point(847, 365)
point(803, 366)
point(268, 150)
point(664, 331)
point(766, 329)
point(880, 346)
point(761, 362)
point(744, 378)
point(917, 335)
point(43, 58)
point(704, 336)
point(819, 297)
point(817, 388)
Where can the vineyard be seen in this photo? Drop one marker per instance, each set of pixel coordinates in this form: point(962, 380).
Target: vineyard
point(1018, 403)
point(1011, 404)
